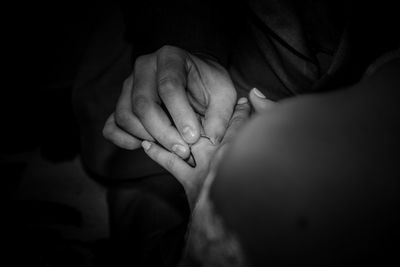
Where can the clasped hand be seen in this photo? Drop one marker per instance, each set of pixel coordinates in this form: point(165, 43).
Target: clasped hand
point(171, 99)
point(163, 97)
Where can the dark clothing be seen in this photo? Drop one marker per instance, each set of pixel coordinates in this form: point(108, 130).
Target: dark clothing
point(284, 48)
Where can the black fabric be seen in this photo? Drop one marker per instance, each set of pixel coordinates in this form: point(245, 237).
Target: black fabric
point(301, 47)
point(314, 46)
point(197, 26)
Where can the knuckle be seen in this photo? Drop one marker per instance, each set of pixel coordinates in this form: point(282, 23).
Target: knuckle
point(240, 116)
point(241, 112)
point(142, 61)
point(127, 82)
point(139, 62)
point(237, 119)
point(168, 85)
point(140, 104)
point(168, 49)
point(122, 117)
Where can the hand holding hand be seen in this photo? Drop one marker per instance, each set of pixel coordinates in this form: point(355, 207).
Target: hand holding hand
point(207, 155)
point(163, 98)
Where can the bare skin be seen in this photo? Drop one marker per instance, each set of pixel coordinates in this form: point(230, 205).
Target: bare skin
point(172, 83)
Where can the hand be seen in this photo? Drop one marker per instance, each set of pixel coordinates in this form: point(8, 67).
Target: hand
point(259, 102)
point(207, 155)
point(163, 98)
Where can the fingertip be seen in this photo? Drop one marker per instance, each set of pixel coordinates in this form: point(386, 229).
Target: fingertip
point(257, 93)
point(118, 137)
point(108, 126)
point(106, 132)
point(190, 134)
point(242, 100)
point(169, 161)
point(181, 150)
point(146, 145)
point(123, 140)
point(259, 102)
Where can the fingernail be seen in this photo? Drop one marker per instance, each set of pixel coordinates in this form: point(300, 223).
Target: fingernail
point(146, 145)
point(242, 100)
point(188, 134)
point(179, 149)
point(258, 93)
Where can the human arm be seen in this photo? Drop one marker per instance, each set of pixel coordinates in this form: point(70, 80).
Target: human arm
point(320, 183)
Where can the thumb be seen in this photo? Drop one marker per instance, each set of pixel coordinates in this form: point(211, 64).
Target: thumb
point(259, 102)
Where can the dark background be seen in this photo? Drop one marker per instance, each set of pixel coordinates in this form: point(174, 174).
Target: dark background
point(44, 43)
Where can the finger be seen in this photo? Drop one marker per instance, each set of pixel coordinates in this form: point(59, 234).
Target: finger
point(119, 137)
point(217, 92)
point(240, 115)
point(219, 112)
point(259, 102)
point(171, 78)
point(202, 151)
point(124, 116)
point(146, 106)
point(169, 161)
